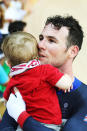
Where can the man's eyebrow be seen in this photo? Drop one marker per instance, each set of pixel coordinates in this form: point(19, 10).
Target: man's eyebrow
point(49, 37)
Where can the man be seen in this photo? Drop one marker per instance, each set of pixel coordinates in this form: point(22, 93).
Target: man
point(60, 42)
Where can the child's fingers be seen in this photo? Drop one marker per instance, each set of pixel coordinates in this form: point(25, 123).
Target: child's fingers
point(71, 87)
point(65, 91)
point(69, 90)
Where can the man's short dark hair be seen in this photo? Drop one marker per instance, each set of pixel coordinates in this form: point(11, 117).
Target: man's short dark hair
point(75, 30)
point(16, 26)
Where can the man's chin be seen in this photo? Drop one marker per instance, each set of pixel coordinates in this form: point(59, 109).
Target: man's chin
point(43, 60)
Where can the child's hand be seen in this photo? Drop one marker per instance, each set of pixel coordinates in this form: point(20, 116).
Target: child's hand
point(68, 90)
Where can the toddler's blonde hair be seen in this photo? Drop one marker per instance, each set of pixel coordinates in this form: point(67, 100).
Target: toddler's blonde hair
point(20, 47)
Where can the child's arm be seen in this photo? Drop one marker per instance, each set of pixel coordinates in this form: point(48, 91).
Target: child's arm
point(65, 83)
point(7, 91)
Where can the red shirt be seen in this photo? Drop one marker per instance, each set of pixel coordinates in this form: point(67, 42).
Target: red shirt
point(37, 89)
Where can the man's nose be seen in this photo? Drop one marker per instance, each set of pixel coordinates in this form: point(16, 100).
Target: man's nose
point(41, 44)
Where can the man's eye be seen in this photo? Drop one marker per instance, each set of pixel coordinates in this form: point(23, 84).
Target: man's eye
point(41, 37)
point(51, 41)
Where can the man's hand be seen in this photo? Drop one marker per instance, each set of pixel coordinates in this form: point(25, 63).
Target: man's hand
point(15, 105)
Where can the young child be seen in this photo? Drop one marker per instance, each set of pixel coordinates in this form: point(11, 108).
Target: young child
point(35, 82)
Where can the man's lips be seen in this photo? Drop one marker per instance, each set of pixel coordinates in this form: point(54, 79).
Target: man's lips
point(41, 55)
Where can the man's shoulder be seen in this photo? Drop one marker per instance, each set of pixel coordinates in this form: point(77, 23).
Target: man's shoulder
point(80, 82)
point(77, 85)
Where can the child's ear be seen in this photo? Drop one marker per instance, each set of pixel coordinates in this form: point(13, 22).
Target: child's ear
point(8, 63)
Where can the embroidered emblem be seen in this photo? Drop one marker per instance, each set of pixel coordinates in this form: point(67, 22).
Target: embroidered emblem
point(85, 119)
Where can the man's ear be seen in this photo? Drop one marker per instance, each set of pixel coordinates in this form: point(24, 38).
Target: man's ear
point(8, 63)
point(73, 51)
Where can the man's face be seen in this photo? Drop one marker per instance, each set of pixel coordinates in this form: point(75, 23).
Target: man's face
point(52, 46)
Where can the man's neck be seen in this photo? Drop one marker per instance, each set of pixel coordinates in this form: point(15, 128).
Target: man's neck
point(67, 69)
